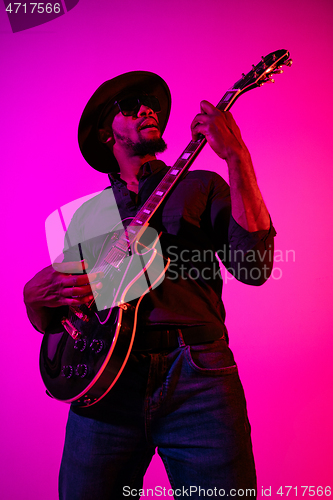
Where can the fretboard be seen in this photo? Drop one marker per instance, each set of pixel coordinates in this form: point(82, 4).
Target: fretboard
point(261, 73)
point(173, 175)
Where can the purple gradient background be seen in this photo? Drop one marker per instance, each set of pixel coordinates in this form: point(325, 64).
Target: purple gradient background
point(281, 333)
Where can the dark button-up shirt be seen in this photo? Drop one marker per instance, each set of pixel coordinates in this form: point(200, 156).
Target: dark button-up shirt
point(196, 224)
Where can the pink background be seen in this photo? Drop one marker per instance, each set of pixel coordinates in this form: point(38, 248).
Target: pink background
point(281, 333)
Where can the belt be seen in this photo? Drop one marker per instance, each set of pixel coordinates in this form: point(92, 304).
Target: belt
point(168, 339)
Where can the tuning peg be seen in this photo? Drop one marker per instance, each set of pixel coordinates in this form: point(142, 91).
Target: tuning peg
point(278, 71)
point(263, 60)
point(243, 75)
point(288, 62)
point(254, 69)
point(270, 80)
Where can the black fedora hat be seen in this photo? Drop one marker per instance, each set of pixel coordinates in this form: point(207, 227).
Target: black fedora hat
point(97, 154)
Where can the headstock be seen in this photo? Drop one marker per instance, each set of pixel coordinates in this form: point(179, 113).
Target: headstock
point(263, 71)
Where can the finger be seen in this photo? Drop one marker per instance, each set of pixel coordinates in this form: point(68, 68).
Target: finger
point(208, 108)
point(71, 267)
point(200, 118)
point(81, 291)
point(76, 292)
point(77, 301)
point(197, 132)
point(80, 279)
point(199, 125)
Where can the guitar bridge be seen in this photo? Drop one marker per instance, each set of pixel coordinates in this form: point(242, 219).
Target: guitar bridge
point(73, 332)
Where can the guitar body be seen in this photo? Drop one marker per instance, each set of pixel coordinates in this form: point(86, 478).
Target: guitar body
point(85, 369)
point(83, 362)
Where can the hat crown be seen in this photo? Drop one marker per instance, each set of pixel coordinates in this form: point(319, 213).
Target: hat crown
point(97, 154)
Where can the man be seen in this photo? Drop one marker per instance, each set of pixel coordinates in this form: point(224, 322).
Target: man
point(180, 390)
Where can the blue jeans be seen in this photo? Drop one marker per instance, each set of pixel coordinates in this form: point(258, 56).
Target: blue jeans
point(190, 404)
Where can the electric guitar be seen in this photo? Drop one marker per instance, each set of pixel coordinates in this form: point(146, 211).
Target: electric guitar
point(82, 362)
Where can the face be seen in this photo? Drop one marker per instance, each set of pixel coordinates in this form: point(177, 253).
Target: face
point(139, 135)
point(142, 126)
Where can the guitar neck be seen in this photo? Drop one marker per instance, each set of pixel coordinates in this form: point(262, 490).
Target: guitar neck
point(260, 74)
point(173, 175)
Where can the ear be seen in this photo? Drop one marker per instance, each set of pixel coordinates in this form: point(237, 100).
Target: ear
point(105, 136)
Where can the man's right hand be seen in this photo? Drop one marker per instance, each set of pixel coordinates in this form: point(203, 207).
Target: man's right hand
point(59, 285)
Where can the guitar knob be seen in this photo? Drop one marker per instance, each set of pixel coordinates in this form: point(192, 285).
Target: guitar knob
point(80, 344)
point(86, 400)
point(82, 370)
point(97, 346)
point(67, 371)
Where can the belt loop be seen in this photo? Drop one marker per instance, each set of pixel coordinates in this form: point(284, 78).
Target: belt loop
point(181, 341)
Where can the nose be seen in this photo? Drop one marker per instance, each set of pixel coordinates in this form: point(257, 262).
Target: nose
point(145, 111)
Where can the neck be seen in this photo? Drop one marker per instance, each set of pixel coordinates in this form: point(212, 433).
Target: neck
point(130, 169)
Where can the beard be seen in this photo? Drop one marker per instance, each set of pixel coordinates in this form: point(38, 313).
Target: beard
point(143, 147)
point(149, 147)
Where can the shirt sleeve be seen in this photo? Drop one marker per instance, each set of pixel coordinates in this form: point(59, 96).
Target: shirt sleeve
point(248, 256)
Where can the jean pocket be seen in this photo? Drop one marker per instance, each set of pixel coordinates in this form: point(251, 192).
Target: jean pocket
point(213, 358)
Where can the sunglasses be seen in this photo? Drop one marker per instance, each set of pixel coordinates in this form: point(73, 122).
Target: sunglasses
point(131, 105)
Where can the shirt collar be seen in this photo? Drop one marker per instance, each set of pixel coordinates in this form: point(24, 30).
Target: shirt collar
point(148, 168)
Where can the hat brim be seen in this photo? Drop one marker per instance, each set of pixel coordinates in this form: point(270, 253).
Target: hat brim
point(97, 154)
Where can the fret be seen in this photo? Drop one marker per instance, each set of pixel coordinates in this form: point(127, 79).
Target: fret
point(192, 146)
point(229, 95)
point(123, 244)
point(227, 99)
point(137, 222)
point(185, 156)
point(222, 106)
point(180, 163)
point(164, 185)
point(149, 206)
